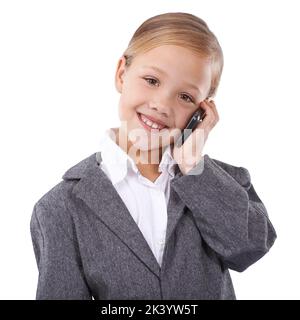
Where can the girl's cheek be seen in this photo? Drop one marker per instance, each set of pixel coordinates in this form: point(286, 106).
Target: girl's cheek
point(180, 120)
point(143, 94)
point(135, 96)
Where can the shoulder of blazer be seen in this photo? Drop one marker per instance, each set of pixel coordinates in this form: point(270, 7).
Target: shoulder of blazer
point(240, 174)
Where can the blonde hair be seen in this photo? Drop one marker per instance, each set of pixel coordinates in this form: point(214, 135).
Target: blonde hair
point(182, 29)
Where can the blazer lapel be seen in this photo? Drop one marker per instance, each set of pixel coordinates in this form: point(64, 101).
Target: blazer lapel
point(97, 191)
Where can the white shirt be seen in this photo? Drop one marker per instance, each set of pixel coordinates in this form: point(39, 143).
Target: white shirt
point(146, 200)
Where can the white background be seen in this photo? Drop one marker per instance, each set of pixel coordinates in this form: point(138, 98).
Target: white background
point(57, 95)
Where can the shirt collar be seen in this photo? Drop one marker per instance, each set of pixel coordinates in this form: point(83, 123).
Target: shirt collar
point(118, 163)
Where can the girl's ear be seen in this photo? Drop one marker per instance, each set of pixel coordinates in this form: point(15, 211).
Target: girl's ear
point(119, 74)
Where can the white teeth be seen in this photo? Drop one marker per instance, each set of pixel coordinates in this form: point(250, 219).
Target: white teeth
point(151, 123)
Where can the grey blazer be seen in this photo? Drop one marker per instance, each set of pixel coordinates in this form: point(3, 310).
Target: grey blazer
point(87, 245)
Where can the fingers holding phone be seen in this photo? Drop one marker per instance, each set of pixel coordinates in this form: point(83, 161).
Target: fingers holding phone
point(205, 117)
point(188, 147)
point(211, 116)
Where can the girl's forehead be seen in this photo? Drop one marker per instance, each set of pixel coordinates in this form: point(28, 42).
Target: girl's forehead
point(171, 65)
point(170, 55)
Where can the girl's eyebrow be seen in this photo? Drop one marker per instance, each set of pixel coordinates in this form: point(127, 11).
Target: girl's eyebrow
point(155, 68)
point(163, 72)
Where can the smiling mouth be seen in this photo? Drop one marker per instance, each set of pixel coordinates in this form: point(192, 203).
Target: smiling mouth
point(150, 125)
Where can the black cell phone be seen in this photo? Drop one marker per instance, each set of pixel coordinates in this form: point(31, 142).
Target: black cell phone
point(197, 117)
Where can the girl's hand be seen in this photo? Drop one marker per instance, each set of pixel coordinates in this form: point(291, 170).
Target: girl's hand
point(189, 154)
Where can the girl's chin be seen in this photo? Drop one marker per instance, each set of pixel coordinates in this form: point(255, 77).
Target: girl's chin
point(149, 143)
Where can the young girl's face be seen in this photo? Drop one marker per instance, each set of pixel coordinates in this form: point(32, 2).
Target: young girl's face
point(167, 84)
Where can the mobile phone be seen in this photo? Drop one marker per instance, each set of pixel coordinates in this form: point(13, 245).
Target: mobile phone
point(192, 124)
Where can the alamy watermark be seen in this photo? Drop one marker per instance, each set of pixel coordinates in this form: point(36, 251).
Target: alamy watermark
point(145, 145)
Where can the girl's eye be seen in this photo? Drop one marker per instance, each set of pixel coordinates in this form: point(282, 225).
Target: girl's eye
point(151, 79)
point(187, 98)
point(190, 100)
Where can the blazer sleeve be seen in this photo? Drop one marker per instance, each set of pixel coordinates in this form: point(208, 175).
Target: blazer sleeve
point(228, 213)
point(57, 257)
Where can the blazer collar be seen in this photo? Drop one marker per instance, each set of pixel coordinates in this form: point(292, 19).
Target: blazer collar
point(98, 192)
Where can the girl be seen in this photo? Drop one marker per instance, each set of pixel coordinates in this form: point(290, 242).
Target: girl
point(143, 218)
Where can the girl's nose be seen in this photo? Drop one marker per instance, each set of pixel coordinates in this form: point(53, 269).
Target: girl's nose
point(162, 107)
